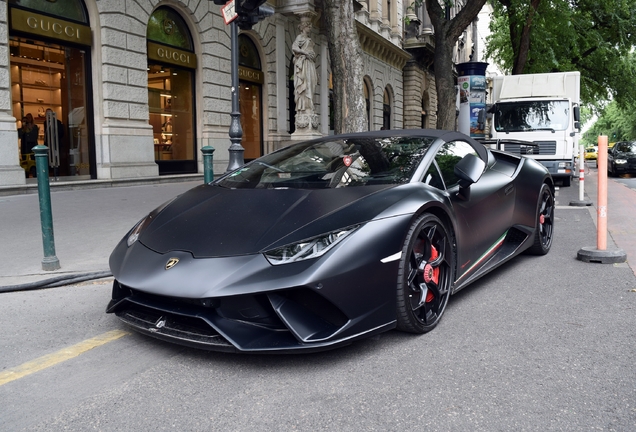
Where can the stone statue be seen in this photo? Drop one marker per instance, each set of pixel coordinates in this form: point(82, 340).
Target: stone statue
point(304, 69)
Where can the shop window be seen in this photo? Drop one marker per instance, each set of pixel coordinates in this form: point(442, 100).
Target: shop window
point(171, 63)
point(250, 98)
point(72, 10)
point(47, 76)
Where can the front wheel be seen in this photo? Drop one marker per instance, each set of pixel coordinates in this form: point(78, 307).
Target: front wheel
point(425, 275)
point(545, 222)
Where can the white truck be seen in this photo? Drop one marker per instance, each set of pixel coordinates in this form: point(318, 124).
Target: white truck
point(541, 110)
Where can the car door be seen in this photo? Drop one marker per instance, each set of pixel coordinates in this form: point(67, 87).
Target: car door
point(484, 214)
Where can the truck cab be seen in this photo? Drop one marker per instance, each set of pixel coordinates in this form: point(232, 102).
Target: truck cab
point(542, 110)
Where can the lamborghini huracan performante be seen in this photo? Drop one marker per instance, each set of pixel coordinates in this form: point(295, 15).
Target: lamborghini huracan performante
point(328, 241)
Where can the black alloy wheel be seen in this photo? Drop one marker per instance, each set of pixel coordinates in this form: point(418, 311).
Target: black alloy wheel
point(425, 275)
point(545, 222)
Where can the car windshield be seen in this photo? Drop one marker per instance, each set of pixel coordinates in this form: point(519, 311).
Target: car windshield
point(629, 147)
point(531, 115)
point(334, 163)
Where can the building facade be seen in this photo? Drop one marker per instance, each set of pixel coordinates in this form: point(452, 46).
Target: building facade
point(138, 87)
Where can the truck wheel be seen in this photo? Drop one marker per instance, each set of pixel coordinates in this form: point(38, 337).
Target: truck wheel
point(566, 181)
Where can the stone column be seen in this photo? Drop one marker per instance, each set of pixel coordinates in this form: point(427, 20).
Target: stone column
point(11, 173)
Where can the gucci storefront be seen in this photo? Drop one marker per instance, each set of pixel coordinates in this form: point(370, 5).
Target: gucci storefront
point(171, 66)
point(49, 46)
point(136, 92)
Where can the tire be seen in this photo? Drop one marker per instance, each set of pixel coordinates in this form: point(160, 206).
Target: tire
point(567, 181)
point(610, 173)
point(425, 275)
point(544, 230)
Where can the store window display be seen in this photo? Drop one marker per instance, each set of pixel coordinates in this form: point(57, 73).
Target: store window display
point(50, 73)
point(171, 64)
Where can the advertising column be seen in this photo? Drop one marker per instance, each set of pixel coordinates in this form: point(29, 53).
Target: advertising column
point(472, 98)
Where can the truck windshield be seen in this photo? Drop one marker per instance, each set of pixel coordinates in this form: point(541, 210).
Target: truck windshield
point(531, 115)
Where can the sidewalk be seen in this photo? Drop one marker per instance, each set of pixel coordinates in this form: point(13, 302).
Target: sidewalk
point(88, 223)
point(621, 212)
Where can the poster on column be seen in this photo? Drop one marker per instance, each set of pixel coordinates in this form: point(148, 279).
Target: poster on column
point(477, 99)
point(463, 82)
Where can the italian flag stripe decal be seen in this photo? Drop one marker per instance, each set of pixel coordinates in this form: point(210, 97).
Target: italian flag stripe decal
point(486, 254)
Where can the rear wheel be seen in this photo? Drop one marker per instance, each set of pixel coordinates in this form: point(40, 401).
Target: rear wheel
point(545, 222)
point(425, 275)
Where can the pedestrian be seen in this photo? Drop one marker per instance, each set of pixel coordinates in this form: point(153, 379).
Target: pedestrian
point(28, 134)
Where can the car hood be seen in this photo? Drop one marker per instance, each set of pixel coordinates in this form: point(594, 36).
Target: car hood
point(211, 221)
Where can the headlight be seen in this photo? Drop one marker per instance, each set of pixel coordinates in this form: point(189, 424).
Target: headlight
point(620, 161)
point(142, 224)
point(307, 249)
point(134, 235)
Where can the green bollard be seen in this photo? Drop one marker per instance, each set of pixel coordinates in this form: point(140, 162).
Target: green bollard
point(50, 261)
point(208, 159)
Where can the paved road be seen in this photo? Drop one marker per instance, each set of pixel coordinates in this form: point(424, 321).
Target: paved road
point(544, 343)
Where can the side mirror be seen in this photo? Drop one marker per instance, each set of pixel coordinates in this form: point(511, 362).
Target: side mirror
point(577, 113)
point(469, 170)
point(481, 116)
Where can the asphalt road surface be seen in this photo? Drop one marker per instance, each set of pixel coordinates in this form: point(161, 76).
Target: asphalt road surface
point(543, 343)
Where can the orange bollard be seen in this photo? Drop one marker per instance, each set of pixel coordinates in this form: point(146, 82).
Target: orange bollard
point(601, 211)
point(601, 254)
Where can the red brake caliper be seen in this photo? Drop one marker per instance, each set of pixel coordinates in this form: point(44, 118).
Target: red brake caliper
point(431, 274)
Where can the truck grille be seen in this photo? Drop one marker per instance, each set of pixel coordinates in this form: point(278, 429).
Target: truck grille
point(544, 148)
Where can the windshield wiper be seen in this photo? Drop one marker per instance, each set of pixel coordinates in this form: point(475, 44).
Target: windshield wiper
point(544, 129)
point(269, 166)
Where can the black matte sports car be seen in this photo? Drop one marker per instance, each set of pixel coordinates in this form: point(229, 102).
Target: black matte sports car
point(328, 241)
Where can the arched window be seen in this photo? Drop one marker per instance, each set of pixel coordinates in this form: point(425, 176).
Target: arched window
point(171, 65)
point(386, 109)
point(368, 99)
point(50, 72)
point(251, 80)
point(72, 10)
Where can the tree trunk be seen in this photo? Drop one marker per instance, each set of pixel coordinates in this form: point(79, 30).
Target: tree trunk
point(446, 34)
point(346, 67)
point(520, 38)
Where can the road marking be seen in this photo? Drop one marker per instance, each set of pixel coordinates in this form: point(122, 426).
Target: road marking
point(59, 356)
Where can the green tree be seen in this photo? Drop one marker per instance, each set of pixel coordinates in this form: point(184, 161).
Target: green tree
point(594, 37)
point(345, 55)
point(447, 32)
point(618, 123)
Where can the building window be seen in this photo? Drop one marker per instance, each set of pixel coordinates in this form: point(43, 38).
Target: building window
point(251, 80)
point(386, 110)
point(50, 72)
point(171, 63)
point(368, 99)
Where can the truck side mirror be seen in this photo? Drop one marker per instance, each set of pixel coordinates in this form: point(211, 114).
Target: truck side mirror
point(481, 116)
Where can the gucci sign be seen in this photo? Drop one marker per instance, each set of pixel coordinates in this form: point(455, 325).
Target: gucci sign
point(171, 55)
point(49, 27)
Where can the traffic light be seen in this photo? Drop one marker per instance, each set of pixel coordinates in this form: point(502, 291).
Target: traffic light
point(251, 11)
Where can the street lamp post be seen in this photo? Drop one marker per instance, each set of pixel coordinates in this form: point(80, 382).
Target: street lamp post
point(244, 14)
point(236, 131)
